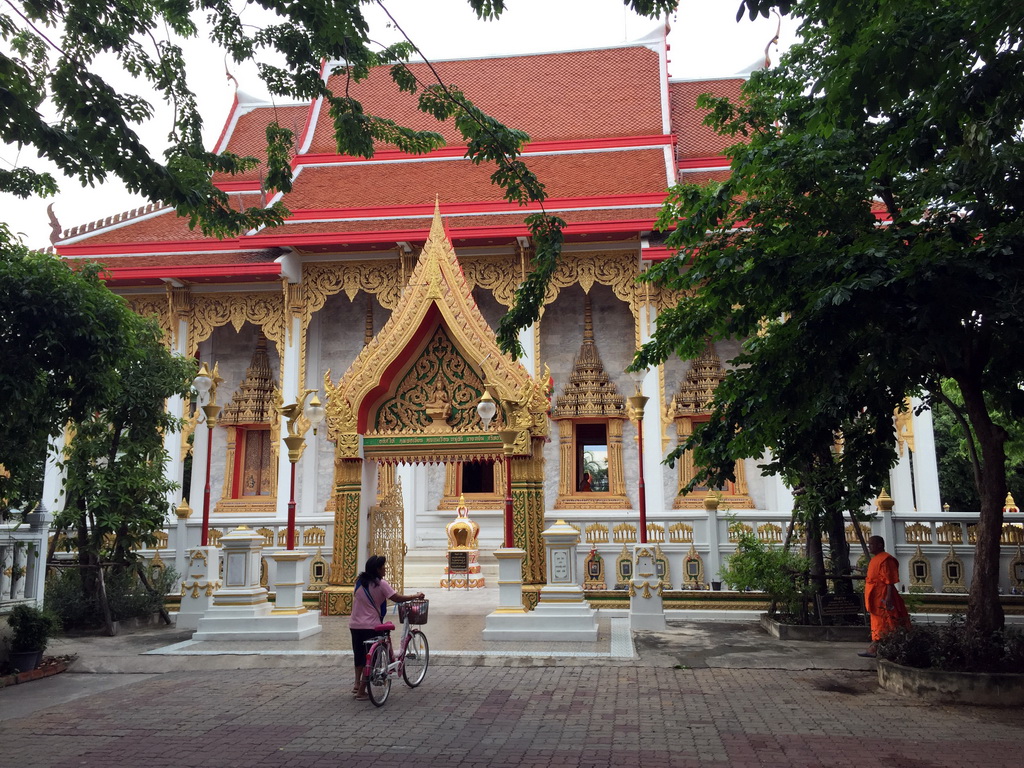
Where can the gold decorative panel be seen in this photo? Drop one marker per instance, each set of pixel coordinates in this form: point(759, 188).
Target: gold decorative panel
point(387, 534)
point(920, 572)
point(268, 536)
point(655, 533)
point(737, 529)
point(314, 536)
point(593, 571)
point(851, 533)
point(624, 533)
point(318, 572)
point(917, 533)
point(950, 533)
point(439, 393)
point(693, 570)
point(680, 533)
point(954, 577)
point(770, 532)
point(597, 533)
point(1011, 534)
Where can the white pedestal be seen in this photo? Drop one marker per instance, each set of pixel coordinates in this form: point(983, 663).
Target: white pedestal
point(240, 609)
point(562, 613)
point(200, 579)
point(288, 601)
point(646, 610)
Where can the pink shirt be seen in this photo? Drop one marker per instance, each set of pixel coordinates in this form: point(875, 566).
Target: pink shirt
point(364, 614)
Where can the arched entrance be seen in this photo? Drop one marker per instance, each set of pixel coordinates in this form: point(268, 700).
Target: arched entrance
point(411, 396)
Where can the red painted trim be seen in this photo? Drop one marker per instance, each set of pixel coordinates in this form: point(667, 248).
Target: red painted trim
point(236, 479)
point(431, 319)
point(308, 127)
point(224, 129)
point(194, 272)
point(536, 147)
point(695, 163)
point(657, 254)
point(150, 247)
point(284, 239)
point(238, 186)
point(483, 207)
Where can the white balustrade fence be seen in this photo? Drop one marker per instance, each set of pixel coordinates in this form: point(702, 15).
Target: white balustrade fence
point(22, 560)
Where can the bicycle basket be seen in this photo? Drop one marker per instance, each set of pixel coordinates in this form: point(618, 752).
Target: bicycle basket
point(416, 610)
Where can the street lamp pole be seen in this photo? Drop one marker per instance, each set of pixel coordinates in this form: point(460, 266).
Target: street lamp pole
point(638, 402)
point(205, 384)
point(314, 413)
point(486, 409)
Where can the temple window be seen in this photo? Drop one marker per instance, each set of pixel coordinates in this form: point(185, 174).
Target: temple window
point(590, 413)
point(476, 477)
point(250, 484)
point(691, 406)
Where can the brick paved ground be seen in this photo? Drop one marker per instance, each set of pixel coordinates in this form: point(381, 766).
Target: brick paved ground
point(557, 717)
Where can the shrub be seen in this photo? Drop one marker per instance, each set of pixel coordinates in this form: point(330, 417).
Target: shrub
point(31, 628)
point(953, 647)
point(126, 596)
point(772, 570)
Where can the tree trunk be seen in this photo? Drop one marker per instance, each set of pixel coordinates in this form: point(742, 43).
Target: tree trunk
point(815, 554)
point(984, 610)
point(840, 550)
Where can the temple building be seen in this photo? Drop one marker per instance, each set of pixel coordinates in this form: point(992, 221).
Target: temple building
point(382, 291)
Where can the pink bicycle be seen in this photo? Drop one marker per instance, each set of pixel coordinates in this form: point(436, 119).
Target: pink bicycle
point(383, 666)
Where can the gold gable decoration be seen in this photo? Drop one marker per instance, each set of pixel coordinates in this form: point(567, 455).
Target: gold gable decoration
point(253, 402)
point(590, 392)
point(697, 389)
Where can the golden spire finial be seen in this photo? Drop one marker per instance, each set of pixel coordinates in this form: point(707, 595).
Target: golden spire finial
point(437, 226)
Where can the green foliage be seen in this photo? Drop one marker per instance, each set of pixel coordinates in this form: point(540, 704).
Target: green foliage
point(126, 594)
point(769, 569)
point(955, 647)
point(61, 334)
point(31, 627)
point(841, 318)
point(115, 487)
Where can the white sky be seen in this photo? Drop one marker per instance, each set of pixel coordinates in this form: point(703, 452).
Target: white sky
point(705, 41)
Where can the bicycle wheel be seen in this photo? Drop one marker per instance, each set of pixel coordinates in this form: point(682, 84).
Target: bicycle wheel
point(417, 657)
point(379, 684)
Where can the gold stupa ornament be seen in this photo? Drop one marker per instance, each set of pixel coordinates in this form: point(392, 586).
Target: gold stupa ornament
point(253, 403)
point(590, 391)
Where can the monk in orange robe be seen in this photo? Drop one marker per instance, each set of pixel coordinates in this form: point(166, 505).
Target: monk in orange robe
point(883, 602)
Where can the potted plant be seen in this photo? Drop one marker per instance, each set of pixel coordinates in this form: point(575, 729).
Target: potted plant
point(31, 629)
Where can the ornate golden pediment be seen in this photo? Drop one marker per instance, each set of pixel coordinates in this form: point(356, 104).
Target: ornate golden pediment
point(424, 372)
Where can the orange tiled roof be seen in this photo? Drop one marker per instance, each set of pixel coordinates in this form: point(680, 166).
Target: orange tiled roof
point(694, 139)
point(556, 96)
point(248, 138)
point(571, 175)
point(187, 259)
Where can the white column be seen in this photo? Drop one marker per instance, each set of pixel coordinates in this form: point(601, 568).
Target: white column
point(310, 466)
point(902, 482)
point(654, 413)
point(528, 340)
point(53, 477)
point(174, 469)
point(926, 468)
point(290, 392)
point(406, 475)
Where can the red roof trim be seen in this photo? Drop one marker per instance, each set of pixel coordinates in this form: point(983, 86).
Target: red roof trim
point(427, 210)
point(224, 130)
point(537, 147)
point(657, 254)
point(283, 239)
point(715, 161)
point(155, 247)
point(239, 186)
point(204, 272)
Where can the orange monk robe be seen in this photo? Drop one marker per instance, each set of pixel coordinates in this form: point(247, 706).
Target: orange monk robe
point(883, 570)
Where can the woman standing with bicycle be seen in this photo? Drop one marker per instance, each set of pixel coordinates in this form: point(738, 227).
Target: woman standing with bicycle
point(369, 606)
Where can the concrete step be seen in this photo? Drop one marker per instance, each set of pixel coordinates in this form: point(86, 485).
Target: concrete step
point(424, 568)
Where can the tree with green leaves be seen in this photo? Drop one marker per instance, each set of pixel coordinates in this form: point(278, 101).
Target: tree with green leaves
point(62, 333)
point(866, 246)
point(116, 493)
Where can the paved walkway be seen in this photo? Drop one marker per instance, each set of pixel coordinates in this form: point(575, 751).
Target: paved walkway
point(701, 693)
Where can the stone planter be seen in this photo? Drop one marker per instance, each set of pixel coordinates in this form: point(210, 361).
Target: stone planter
point(815, 633)
point(991, 689)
